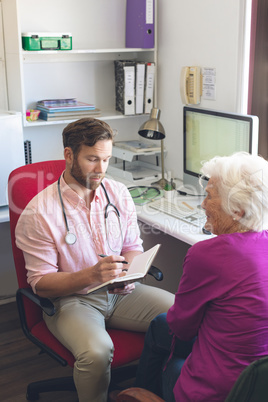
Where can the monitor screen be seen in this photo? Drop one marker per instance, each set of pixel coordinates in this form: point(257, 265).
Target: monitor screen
point(209, 133)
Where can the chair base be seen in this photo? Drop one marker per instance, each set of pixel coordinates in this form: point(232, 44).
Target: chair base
point(121, 374)
point(118, 375)
point(49, 385)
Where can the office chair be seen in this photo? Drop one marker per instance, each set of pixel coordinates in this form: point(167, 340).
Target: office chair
point(23, 184)
point(252, 384)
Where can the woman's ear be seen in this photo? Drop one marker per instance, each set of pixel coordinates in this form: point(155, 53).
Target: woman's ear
point(238, 215)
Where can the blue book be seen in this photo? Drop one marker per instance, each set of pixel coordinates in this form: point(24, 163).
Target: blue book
point(65, 107)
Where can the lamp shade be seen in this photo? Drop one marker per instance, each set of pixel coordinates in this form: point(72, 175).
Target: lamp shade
point(152, 129)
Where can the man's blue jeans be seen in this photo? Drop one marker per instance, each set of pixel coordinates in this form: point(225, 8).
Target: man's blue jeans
point(156, 372)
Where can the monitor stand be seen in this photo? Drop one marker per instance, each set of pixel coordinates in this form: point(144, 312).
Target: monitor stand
point(191, 191)
point(192, 187)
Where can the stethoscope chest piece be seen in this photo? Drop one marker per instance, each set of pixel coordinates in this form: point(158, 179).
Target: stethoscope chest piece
point(70, 238)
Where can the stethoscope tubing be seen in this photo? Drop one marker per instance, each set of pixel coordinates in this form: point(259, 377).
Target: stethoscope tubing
point(70, 237)
point(109, 204)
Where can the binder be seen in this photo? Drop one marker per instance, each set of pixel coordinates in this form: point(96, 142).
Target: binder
point(125, 86)
point(140, 81)
point(140, 17)
point(149, 87)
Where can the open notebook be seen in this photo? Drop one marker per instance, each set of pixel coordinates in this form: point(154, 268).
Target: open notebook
point(137, 270)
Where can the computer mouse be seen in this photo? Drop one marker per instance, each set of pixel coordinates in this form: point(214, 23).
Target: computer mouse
point(205, 231)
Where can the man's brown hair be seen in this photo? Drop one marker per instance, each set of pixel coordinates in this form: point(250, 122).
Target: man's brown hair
point(86, 131)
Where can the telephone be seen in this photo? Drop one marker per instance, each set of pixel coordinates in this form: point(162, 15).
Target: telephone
point(191, 85)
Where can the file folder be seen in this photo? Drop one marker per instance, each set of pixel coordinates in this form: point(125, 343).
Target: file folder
point(149, 87)
point(129, 94)
point(125, 86)
point(140, 17)
point(140, 81)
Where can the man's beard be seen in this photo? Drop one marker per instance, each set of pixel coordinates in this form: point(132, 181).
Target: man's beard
point(85, 181)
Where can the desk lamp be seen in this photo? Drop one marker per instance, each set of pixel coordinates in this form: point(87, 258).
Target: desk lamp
point(152, 129)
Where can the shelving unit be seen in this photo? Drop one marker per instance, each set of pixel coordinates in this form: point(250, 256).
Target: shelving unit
point(135, 171)
point(86, 72)
point(130, 167)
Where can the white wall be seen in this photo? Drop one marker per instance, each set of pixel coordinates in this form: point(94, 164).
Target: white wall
point(3, 89)
point(207, 33)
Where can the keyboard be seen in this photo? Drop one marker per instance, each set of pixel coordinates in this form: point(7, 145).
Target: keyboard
point(194, 216)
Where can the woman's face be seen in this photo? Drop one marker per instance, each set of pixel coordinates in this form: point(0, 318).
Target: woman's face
point(218, 221)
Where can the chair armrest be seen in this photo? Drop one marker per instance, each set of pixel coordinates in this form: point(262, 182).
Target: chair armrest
point(156, 273)
point(45, 304)
point(137, 395)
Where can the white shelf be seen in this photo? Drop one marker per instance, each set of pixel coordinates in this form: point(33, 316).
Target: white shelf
point(88, 51)
point(48, 56)
point(134, 171)
point(112, 115)
point(128, 155)
point(76, 51)
point(131, 169)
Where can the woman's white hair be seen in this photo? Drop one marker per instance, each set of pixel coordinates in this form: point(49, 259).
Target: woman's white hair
point(242, 183)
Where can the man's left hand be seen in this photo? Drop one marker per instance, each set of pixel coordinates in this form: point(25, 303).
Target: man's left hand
point(126, 290)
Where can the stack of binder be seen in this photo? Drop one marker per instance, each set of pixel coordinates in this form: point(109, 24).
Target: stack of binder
point(134, 86)
point(65, 109)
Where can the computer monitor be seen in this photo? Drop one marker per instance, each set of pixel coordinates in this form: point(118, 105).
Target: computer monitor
point(209, 133)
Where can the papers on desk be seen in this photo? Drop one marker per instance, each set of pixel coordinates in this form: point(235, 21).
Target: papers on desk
point(138, 146)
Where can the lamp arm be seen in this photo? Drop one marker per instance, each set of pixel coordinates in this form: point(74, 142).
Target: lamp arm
point(162, 159)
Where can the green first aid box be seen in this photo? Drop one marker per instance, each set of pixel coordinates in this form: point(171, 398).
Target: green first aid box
point(46, 41)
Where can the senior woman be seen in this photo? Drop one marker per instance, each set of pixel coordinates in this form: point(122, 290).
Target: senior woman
point(218, 324)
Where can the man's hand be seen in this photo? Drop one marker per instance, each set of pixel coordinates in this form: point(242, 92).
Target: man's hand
point(126, 290)
point(108, 268)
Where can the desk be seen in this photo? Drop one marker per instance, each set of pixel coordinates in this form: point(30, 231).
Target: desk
point(175, 236)
point(174, 227)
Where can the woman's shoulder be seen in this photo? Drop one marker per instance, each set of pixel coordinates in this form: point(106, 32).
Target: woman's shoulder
point(215, 241)
point(227, 243)
point(212, 248)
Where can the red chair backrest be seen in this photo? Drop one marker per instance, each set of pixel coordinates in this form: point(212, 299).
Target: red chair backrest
point(23, 184)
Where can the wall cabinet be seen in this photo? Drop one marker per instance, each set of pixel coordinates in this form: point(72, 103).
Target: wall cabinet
point(85, 72)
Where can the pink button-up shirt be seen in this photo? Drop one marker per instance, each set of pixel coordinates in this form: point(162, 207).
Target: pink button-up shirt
point(41, 230)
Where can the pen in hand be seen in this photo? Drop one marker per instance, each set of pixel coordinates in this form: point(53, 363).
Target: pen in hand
point(123, 262)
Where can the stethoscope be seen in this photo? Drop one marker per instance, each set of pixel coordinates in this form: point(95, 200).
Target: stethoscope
point(71, 238)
